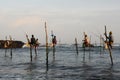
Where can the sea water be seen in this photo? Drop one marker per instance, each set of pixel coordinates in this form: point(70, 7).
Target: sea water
point(63, 64)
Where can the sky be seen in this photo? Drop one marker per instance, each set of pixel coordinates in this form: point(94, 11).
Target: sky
point(68, 19)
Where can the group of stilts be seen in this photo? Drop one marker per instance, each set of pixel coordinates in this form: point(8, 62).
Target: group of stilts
point(108, 42)
point(33, 44)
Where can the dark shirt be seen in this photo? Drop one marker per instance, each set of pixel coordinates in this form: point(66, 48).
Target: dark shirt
point(33, 41)
point(54, 41)
point(110, 38)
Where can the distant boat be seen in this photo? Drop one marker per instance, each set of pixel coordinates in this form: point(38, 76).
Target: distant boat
point(11, 44)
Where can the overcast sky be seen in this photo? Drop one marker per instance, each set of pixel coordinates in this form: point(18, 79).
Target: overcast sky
point(67, 18)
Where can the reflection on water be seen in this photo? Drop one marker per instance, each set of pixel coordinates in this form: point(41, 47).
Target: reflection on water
point(63, 64)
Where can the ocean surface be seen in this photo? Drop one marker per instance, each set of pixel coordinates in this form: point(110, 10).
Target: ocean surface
point(63, 64)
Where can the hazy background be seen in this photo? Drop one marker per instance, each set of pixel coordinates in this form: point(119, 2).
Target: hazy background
point(67, 18)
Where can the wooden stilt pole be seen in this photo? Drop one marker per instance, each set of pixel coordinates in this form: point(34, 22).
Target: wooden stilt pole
point(35, 50)
point(31, 52)
point(100, 44)
point(53, 45)
point(30, 47)
point(89, 47)
point(5, 45)
point(46, 47)
point(11, 42)
point(84, 48)
point(109, 49)
point(110, 55)
point(84, 55)
point(53, 53)
point(76, 44)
